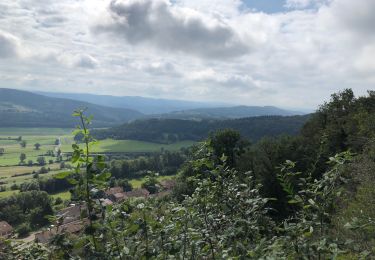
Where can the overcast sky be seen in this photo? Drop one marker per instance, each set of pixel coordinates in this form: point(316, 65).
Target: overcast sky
point(291, 53)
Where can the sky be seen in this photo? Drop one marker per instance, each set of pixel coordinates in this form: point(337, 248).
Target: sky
point(291, 54)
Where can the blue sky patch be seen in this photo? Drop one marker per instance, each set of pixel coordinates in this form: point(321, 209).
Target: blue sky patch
point(267, 6)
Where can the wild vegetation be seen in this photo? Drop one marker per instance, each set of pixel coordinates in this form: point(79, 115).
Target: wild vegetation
point(307, 196)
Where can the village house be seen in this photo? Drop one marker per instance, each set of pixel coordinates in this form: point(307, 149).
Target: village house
point(137, 193)
point(6, 230)
point(71, 213)
point(72, 228)
point(117, 197)
point(168, 184)
point(113, 191)
point(105, 202)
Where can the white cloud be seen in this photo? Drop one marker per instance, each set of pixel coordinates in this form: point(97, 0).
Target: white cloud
point(160, 24)
point(9, 45)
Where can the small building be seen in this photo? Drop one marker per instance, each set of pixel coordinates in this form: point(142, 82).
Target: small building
point(168, 184)
point(6, 230)
point(114, 190)
point(117, 197)
point(71, 213)
point(72, 228)
point(137, 193)
point(106, 202)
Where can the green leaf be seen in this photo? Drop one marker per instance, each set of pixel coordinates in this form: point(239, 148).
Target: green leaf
point(63, 175)
point(76, 156)
point(103, 176)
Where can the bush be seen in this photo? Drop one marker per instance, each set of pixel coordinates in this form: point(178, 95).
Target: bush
point(41, 161)
point(43, 170)
point(58, 201)
point(23, 230)
point(151, 184)
point(14, 187)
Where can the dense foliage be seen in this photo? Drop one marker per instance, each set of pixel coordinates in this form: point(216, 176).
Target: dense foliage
point(30, 207)
point(164, 163)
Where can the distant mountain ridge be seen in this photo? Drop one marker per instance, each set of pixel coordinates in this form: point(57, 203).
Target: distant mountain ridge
point(25, 109)
point(177, 109)
point(144, 105)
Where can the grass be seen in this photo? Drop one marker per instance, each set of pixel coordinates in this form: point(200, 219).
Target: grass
point(65, 195)
point(7, 174)
point(8, 193)
point(131, 146)
point(137, 183)
point(13, 149)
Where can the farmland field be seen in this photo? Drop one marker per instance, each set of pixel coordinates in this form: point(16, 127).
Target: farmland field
point(12, 172)
point(128, 146)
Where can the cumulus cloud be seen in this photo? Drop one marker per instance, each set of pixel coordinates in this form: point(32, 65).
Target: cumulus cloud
point(157, 68)
point(80, 60)
point(9, 45)
point(357, 16)
point(160, 24)
point(225, 80)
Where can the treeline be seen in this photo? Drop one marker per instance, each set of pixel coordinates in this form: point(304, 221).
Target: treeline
point(49, 185)
point(172, 130)
point(163, 163)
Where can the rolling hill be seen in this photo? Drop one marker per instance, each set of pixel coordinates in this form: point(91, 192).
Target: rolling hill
point(172, 130)
point(26, 109)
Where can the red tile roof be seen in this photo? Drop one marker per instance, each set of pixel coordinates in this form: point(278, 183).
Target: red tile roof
point(137, 193)
point(114, 190)
point(71, 213)
point(71, 228)
point(168, 184)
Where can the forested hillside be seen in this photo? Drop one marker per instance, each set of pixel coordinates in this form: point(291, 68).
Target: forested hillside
point(171, 130)
point(25, 109)
point(228, 113)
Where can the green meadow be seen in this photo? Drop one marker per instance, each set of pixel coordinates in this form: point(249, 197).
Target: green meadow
point(127, 146)
point(12, 172)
